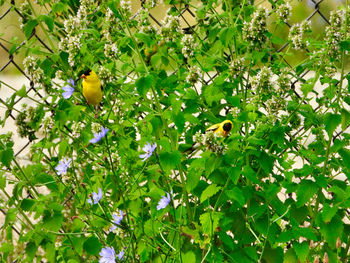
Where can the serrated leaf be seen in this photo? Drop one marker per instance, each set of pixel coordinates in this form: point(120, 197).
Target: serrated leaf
point(27, 203)
point(209, 192)
point(302, 250)
point(328, 212)
point(345, 119)
point(306, 190)
point(210, 222)
point(213, 93)
point(189, 256)
point(22, 92)
point(144, 84)
point(345, 154)
point(6, 156)
point(92, 246)
point(48, 21)
point(331, 122)
point(169, 160)
point(226, 36)
point(332, 231)
point(236, 194)
point(29, 27)
point(53, 221)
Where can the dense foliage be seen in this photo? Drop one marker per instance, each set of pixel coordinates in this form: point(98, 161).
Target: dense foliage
point(120, 185)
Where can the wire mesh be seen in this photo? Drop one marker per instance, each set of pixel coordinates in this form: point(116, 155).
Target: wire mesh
point(13, 59)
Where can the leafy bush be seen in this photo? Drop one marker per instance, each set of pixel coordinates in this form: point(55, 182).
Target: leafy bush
point(121, 185)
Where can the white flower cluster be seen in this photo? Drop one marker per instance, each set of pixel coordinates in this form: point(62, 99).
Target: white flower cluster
point(236, 67)
point(262, 83)
point(193, 74)
point(77, 128)
point(47, 125)
point(125, 5)
point(297, 34)
point(254, 31)
point(211, 141)
point(105, 74)
point(283, 81)
point(31, 68)
point(111, 50)
point(171, 27)
point(336, 32)
point(188, 45)
point(284, 11)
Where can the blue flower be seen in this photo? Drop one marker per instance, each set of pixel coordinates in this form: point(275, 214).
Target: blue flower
point(164, 201)
point(68, 89)
point(118, 217)
point(95, 197)
point(148, 149)
point(121, 254)
point(63, 165)
point(107, 255)
point(99, 136)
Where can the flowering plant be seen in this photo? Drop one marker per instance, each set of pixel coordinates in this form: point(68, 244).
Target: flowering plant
point(139, 178)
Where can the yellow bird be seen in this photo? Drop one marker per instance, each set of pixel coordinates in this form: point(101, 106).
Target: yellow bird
point(222, 129)
point(92, 87)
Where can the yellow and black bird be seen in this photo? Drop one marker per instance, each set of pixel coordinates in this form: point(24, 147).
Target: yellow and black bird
point(92, 87)
point(222, 129)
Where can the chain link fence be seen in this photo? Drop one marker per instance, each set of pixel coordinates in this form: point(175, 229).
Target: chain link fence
point(12, 59)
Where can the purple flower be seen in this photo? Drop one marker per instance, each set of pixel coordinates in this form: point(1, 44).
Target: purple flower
point(63, 165)
point(118, 217)
point(121, 254)
point(148, 149)
point(95, 197)
point(107, 255)
point(164, 201)
point(68, 89)
point(99, 136)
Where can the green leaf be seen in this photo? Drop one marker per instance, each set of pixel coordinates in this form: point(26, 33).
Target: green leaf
point(306, 190)
point(210, 222)
point(92, 246)
point(48, 21)
point(249, 173)
point(31, 249)
point(302, 250)
point(345, 45)
point(22, 92)
point(345, 119)
point(266, 162)
point(29, 27)
point(143, 84)
point(213, 93)
point(328, 212)
point(277, 40)
point(226, 36)
point(6, 156)
point(332, 231)
point(290, 256)
point(58, 7)
point(27, 203)
point(236, 194)
point(209, 192)
point(273, 255)
point(235, 101)
point(169, 160)
point(331, 122)
point(189, 256)
point(53, 221)
point(234, 173)
point(345, 154)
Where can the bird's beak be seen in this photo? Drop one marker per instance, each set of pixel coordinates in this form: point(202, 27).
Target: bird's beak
point(83, 76)
point(224, 133)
